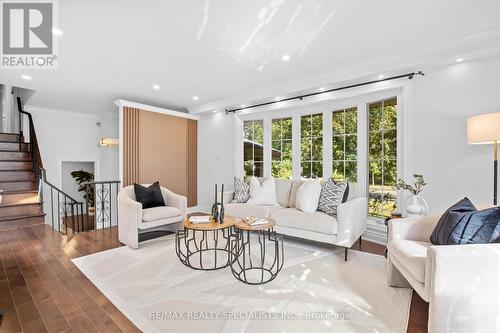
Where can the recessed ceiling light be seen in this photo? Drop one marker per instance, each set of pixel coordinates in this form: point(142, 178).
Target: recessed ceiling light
point(459, 59)
point(57, 32)
point(156, 87)
point(276, 99)
point(214, 111)
point(380, 77)
point(242, 105)
point(195, 98)
point(322, 89)
point(26, 77)
point(286, 57)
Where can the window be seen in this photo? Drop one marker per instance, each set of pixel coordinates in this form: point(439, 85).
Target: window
point(281, 165)
point(344, 145)
point(382, 136)
point(253, 148)
point(311, 146)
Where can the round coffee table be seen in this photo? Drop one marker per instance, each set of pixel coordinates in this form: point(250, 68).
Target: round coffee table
point(204, 246)
point(266, 262)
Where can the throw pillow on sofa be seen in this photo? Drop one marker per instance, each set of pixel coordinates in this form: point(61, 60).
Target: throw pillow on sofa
point(307, 197)
point(150, 196)
point(332, 195)
point(462, 223)
point(241, 191)
point(263, 195)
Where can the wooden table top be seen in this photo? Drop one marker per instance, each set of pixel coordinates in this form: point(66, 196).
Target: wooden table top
point(228, 222)
point(245, 226)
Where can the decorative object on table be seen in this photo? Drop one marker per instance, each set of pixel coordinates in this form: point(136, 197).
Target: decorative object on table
point(200, 219)
point(462, 223)
point(332, 195)
point(485, 129)
point(241, 191)
point(252, 220)
point(415, 205)
point(270, 247)
point(221, 209)
point(215, 211)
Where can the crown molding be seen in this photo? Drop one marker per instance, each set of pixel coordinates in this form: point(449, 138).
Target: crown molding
point(124, 103)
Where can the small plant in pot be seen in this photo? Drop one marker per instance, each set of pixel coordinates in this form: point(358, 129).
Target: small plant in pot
point(415, 204)
point(82, 177)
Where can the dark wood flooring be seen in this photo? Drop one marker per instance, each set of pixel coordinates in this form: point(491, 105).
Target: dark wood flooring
point(41, 290)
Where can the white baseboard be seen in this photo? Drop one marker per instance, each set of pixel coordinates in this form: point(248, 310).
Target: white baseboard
point(376, 232)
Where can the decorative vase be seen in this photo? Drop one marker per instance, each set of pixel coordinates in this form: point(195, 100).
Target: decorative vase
point(415, 205)
point(215, 209)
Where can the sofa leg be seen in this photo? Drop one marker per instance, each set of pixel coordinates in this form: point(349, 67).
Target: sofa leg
point(360, 243)
point(345, 253)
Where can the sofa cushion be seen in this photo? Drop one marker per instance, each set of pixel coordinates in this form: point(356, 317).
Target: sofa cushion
point(149, 196)
point(462, 223)
point(307, 197)
point(332, 195)
point(293, 191)
point(294, 218)
point(159, 213)
point(263, 194)
point(283, 189)
point(243, 210)
point(241, 191)
point(411, 254)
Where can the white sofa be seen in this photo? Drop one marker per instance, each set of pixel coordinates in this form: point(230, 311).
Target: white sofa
point(133, 220)
point(342, 230)
point(460, 282)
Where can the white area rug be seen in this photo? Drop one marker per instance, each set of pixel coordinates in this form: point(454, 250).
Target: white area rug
point(316, 289)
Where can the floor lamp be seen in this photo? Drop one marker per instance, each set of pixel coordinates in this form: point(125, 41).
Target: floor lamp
point(485, 129)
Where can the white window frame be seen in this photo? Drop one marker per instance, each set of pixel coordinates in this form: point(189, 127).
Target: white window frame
point(357, 97)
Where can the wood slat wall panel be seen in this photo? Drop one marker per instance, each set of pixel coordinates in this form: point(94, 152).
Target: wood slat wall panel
point(130, 146)
point(192, 163)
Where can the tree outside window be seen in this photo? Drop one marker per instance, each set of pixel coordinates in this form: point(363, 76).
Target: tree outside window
point(253, 148)
point(311, 146)
point(383, 173)
point(281, 165)
point(344, 145)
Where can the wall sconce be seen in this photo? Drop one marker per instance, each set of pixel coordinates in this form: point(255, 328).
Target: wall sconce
point(106, 142)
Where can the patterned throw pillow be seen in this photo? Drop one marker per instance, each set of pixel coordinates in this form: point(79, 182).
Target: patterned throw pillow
point(332, 195)
point(241, 191)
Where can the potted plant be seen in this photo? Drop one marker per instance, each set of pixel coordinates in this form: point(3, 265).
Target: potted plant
point(415, 204)
point(82, 177)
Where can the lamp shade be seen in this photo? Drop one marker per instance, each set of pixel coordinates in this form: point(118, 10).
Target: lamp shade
point(484, 128)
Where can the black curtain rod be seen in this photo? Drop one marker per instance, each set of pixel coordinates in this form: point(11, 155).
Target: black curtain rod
point(301, 97)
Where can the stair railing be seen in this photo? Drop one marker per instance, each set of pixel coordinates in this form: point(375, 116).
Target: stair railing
point(100, 199)
point(67, 210)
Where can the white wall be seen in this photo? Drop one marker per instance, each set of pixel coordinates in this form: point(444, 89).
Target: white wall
point(435, 137)
point(71, 136)
point(437, 141)
point(215, 155)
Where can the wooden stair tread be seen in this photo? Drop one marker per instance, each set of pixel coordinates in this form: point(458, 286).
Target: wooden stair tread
point(20, 217)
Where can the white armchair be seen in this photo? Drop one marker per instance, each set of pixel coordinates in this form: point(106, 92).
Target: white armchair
point(460, 282)
point(133, 220)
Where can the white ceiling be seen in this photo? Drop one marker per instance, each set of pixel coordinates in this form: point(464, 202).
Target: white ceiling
point(230, 51)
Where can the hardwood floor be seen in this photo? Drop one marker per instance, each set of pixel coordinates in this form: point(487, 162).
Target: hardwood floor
point(41, 290)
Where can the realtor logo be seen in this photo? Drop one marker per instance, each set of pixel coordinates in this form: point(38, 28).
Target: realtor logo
point(27, 38)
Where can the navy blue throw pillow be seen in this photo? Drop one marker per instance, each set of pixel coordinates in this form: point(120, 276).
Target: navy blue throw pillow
point(150, 196)
point(462, 223)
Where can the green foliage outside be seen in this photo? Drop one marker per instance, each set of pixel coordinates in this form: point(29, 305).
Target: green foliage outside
point(382, 151)
point(345, 145)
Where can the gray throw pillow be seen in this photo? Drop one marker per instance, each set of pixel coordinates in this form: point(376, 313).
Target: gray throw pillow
point(241, 191)
point(332, 195)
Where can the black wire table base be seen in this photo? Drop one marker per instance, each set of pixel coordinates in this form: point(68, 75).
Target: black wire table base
point(205, 250)
point(255, 269)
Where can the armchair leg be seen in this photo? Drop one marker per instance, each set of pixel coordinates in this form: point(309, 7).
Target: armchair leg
point(360, 243)
point(345, 253)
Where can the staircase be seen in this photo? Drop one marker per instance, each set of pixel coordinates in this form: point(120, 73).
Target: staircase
point(21, 205)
